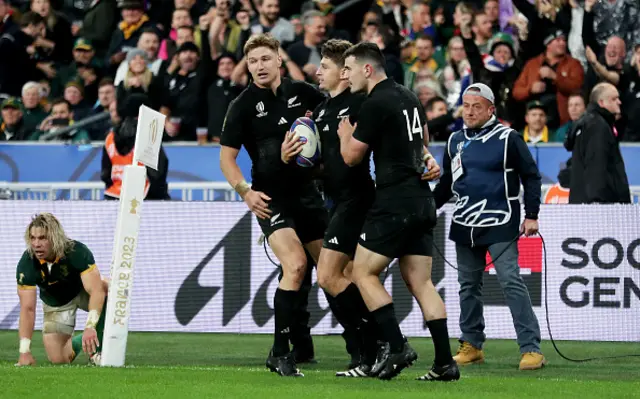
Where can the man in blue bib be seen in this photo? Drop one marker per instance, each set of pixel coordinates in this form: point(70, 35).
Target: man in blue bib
point(484, 164)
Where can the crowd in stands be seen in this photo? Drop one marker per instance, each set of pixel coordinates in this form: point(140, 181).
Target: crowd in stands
point(62, 61)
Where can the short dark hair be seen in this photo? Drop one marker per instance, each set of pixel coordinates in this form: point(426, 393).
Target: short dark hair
point(105, 82)
point(261, 40)
point(31, 18)
point(365, 51)
point(432, 102)
point(334, 50)
point(150, 30)
point(425, 36)
point(59, 101)
point(577, 94)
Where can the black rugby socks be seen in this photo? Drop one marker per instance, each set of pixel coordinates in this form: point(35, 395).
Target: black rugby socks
point(388, 324)
point(284, 306)
point(440, 337)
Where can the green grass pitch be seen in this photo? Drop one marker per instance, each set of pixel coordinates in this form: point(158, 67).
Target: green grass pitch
point(163, 365)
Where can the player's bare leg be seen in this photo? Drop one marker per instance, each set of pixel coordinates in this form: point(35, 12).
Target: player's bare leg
point(416, 272)
point(287, 247)
point(58, 348)
point(331, 268)
point(367, 267)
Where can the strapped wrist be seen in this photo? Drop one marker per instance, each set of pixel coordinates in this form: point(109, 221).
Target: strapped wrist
point(25, 345)
point(92, 319)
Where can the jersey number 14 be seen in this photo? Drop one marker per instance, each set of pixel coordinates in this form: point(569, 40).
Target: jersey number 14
point(416, 126)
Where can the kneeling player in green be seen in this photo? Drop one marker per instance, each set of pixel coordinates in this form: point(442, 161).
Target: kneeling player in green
point(68, 278)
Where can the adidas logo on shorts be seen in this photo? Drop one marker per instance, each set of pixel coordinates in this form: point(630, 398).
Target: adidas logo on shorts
point(363, 237)
point(334, 241)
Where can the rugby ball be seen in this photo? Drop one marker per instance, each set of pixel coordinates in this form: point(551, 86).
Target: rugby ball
point(306, 131)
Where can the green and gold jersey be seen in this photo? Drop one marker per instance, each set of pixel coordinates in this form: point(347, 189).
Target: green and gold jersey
point(59, 281)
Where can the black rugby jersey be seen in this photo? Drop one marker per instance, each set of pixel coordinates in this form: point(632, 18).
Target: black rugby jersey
point(391, 122)
point(341, 182)
point(259, 120)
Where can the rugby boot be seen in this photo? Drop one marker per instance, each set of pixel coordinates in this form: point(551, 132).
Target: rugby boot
point(394, 363)
point(449, 372)
point(532, 361)
point(468, 354)
point(283, 365)
point(381, 354)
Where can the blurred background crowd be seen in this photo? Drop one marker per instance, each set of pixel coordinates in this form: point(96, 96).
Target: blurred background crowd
point(63, 62)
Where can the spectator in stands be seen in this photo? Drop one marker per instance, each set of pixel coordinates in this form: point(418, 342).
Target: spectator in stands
point(427, 90)
point(576, 109)
point(558, 193)
point(33, 112)
point(221, 93)
point(181, 18)
point(148, 43)
point(226, 34)
point(424, 61)
point(134, 22)
point(394, 15)
point(439, 119)
point(536, 130)
point(614, 18)
point(575, 42)
point(7, 25)
point(140, 79)
point(84, 65)
point(332, 32)
point(393, 64)
point(118, 153)
point(306, 52)
point(16, 49)
point(597, 166)
point(550, 78)
point(97, 27)
point(114, 118)
point(456, 67)
point(106, 96)
point(482, 31)
point(605, 62)
point(12, 127)
point(629, 87)
point(186, 89)
point(492, 11)
point(269, 21)
point(61, 117)
point(74, 94)
point(420, 22)
point(544, 16)
point(58, 32)
point(499, 71)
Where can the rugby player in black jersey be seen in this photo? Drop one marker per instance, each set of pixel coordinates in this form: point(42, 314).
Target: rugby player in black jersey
point(400, 223)
point(351, 192)
point(289, 208)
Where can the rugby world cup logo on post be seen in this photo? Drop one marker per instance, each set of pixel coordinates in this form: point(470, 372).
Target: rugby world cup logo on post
point(153, 131)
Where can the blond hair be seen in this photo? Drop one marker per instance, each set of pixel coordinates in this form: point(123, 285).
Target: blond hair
point(60, 243)
point(261, 40)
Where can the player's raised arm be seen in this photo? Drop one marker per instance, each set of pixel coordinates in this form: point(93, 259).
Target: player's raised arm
point(92, 283)
point(28, 298)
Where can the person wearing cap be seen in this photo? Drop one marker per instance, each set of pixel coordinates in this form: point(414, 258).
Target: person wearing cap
point(74, 93)
point(12, 127)
point(499, 71)
point(84, 64)
point(134, 22)
point(551, 78)
point(536, 130)
point(483, 167)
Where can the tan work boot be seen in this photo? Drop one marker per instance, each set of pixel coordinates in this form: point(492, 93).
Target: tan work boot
point(532, 361)
point(468, 354)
